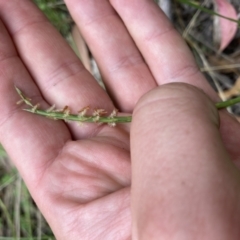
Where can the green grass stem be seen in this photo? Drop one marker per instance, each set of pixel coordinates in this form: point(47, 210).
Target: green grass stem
point(112, 120)
point(7, 215)
point(77, 118)
point(228, 103)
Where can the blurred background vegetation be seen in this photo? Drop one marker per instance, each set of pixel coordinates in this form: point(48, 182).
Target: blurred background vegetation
point(57, 13)
point(19, 216)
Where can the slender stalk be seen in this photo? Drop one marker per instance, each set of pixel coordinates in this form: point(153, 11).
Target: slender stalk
point(97, 116)
point(228, 103)
point(78, 118)
point(7, 215)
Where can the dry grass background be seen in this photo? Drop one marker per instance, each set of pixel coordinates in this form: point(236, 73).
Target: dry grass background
point(19, 217)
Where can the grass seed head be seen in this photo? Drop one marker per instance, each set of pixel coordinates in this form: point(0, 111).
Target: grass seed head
point(83, 112)
point(35, 108)
point(66, 111)
point(96, 119)
point(112, 124)
point(99, 112)
point(51, 109)
point(113, 113)
point(20, 101)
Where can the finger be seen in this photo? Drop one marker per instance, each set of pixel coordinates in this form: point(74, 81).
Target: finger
point(31, 142)
point(56, 69)
point(162, 47)
point(169, 57)
point(125, 73)
point(181, 170)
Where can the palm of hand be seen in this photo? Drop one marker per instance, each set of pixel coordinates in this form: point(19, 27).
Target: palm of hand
point(89, 188)
point(83, 186)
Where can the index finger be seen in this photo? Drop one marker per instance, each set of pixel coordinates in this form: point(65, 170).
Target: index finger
point(55, 68)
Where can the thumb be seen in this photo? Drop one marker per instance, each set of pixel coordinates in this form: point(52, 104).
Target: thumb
point(183, 184)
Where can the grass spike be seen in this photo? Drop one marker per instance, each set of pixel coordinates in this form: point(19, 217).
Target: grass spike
point(83, 111)
point(35, 107)
point(97, 116)
point(113, 113)
point(24, 99)
point(66, 112)
point(99, 112)
point(113, 124)
point(51, 109)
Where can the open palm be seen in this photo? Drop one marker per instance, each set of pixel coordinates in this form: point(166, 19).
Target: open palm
point(80, 177)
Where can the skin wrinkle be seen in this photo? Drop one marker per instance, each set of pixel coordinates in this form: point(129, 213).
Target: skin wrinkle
point(69, 147)
point(108, 170)
point(71, 70)
point(110, 133)
point(99, 19)
point(90, 191)
point(181, 88)
point(168, 103)
point(18, 108)
point(97, 130)
point(87, 168)
point(154, 36)
point(4, 57)
point(127, 62)
point(187, 71)
point(113, 141)
point(47, 165)
point(27, 26)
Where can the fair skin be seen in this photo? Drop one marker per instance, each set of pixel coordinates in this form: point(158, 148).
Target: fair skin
point(182, 168)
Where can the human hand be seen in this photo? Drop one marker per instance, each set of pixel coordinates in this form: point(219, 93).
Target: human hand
point(83, 186)
point(184, 184)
